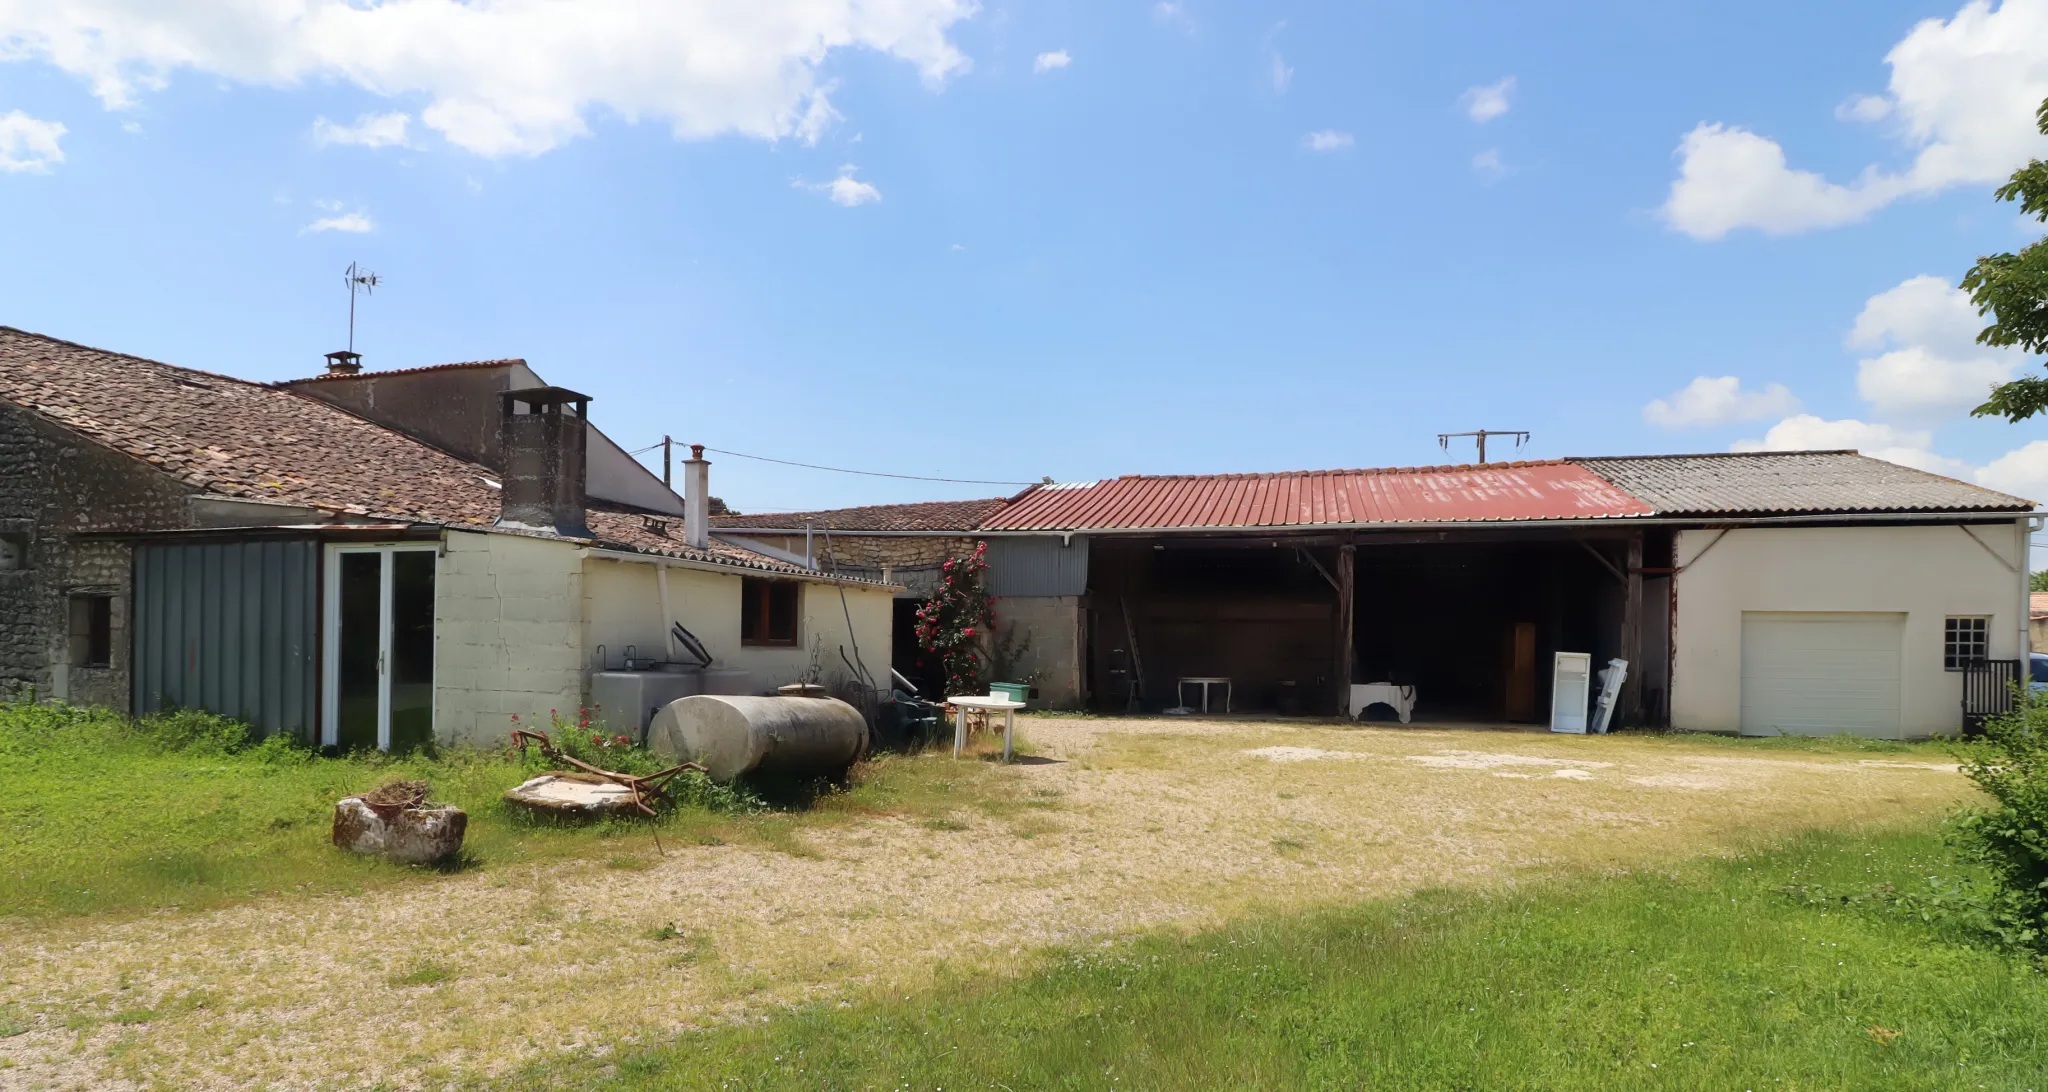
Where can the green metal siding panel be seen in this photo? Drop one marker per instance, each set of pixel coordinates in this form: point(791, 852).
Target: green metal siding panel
point(228, 627)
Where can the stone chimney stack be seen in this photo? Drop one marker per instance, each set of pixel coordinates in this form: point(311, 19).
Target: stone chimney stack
point(344, 363)
point(697, 498)
point(543, 434)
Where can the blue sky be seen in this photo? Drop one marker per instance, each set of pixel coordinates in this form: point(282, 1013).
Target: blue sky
point(1065, 239)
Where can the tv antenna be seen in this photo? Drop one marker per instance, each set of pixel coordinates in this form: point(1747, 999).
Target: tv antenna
point(366, 282)
point(1443, 439)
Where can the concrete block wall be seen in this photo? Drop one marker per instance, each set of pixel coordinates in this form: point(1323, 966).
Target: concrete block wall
point(508, 634)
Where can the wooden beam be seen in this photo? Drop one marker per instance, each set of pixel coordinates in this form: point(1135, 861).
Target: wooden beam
point(1632, 635)
point(1347, 562)
point(1311, 559)
point(1609, 565)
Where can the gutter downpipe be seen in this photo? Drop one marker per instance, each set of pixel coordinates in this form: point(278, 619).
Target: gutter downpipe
point(668, 618)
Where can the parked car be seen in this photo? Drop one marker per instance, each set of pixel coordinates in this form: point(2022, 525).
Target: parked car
point(2037, 672)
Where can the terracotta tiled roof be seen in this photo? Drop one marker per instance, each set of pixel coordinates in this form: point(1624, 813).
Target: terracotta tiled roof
point(229, 437)
point(2037, 606)
point(962, 516)
point(1495, 492)
point(460, 364)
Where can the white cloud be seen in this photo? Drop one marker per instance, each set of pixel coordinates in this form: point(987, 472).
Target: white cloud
point(1173, 12)
point(516, 77)
point(1864, 108)
point(29, 144)
point(845, 190)
point(1934, 366)
point(1907, 447)
point(1708, 401)
point(1963, 94)
point(1046, 62)
point(369, 131)
point(1732, 178)
point(1488, 162)
point(1485, 103)
point(1327, 140)
point(355, 223)
point(2022, 472)
point(1283, 74)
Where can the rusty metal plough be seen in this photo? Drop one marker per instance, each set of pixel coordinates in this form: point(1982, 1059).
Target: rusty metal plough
point(644, 787)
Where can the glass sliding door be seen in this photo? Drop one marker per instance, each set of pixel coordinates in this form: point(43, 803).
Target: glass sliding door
point(379, 647)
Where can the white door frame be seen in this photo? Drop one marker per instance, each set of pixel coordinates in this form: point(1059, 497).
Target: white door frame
point(330, 636)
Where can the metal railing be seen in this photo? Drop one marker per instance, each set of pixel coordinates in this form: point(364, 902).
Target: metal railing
point(1988, 690)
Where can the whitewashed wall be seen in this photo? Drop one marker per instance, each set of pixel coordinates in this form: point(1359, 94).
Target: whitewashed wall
point(1927, 572)
point(622, 606)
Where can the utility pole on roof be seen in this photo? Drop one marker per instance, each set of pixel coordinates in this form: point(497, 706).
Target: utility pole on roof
point(668, 446)
point(1443, 439)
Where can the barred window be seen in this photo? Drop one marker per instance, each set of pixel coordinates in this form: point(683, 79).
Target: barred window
point(1965, 641)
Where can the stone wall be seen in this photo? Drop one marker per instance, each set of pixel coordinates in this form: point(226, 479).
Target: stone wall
point(1052, 625)
point(54, 487)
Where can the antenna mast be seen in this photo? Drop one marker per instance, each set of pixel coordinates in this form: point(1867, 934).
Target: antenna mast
point(358, 279)
point(1443, 439)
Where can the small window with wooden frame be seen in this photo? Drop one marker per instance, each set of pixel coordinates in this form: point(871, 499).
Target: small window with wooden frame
point(768, 611)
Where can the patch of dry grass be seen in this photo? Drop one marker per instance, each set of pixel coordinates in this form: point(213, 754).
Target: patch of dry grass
point(1130, 825)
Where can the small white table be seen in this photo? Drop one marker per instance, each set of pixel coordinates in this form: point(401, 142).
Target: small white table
point(1205, 684)
point(1401, 699)
point(989, 702)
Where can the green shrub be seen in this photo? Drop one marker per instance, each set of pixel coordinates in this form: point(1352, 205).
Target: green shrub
point(2010, 763)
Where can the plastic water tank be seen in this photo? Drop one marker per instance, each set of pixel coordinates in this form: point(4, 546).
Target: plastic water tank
point(731, 735)
point(626, 700)
point(727, 680)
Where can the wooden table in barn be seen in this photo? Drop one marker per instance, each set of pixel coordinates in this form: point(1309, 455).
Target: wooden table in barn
point(987, 702)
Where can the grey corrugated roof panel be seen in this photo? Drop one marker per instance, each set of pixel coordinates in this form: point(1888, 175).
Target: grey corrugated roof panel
point(1792, 482)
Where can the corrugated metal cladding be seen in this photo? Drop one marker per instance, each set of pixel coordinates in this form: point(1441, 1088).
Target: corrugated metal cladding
point(1507, 491)
point(1037, 565)
point(231, 628)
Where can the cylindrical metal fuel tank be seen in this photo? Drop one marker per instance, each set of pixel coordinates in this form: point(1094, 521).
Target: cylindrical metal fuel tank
point(731, 735)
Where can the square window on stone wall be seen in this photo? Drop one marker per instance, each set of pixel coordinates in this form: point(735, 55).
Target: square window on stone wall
point(92, 631)
point(13, 552)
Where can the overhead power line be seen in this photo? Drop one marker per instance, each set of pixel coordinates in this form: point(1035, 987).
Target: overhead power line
point(863, 473)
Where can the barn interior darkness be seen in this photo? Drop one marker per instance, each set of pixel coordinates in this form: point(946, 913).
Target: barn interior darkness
point(1471, 620)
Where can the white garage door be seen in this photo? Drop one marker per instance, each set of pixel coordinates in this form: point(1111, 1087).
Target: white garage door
point(1811, 674)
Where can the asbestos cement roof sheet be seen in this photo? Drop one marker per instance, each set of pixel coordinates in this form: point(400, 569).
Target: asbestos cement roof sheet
point(1792, 483)
point(1450, 494)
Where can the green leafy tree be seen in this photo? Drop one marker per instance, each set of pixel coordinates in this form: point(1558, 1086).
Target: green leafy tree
point(2013, 290)
point(2038, 581)
point(953, 625)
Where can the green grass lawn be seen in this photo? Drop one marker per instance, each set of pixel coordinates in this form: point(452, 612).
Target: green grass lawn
point(1730, 974)
point(100, 814)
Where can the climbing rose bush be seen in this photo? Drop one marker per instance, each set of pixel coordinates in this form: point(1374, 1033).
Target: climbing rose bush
point(953, 625)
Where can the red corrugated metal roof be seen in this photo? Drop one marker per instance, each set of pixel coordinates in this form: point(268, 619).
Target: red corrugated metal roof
point(1503, 491)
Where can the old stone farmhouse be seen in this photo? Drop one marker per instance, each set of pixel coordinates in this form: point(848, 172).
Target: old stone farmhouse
point(367, 559)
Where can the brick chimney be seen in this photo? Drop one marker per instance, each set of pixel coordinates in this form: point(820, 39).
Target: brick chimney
point(344, 363)
point(542, 432)
point(697, 498)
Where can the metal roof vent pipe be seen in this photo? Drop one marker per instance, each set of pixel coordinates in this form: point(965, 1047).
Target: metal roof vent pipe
point(543, 434)
point(697, 499)
point(344, 363)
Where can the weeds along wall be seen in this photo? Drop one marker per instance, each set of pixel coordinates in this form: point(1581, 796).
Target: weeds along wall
point(622, 606)
point(508, 619)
